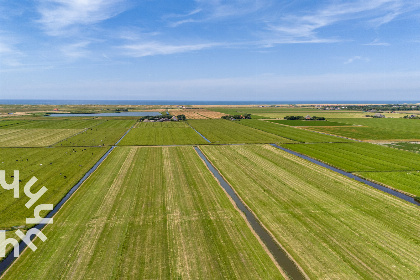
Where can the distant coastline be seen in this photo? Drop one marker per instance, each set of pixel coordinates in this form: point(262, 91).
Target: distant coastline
point(187, 102)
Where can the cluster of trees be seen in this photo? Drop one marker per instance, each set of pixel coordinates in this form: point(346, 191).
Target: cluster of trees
point(294, 118)
point(237, 117)
point(411, 117)
point(165, 117)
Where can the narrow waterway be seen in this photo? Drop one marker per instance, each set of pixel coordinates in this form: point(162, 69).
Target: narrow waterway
point(8, 261)
point(199, 133)
point(352, 176)
point(281, 256)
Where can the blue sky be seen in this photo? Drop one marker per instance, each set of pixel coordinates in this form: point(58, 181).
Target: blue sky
point(210, 50)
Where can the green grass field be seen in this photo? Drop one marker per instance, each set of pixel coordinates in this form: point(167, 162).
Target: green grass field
point(376, 129)
point(162, 133)
point(323, 113)
point(407, 146)
point(148, 213)
point(407, 181)
point(307, 123)
point(34, 137)
point(369, 133)
point(224, 131)
point(334, 227)
point(58, 169)
point(358, 156)
point(49, 123)
point(291, 133)
point(106, 133)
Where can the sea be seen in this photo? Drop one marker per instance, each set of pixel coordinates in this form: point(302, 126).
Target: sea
point(191, 102)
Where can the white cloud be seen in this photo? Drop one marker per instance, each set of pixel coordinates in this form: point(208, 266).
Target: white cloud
point(308, 25)
point(208, 10)
point(355, 58)
point(76, 50)
point(377, 42)
point(156, 48)
point(60, 16)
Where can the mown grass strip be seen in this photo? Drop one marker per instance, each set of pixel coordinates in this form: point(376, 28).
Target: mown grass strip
point(162, 133)
point(148, 213)
point(333, 227)
point(224, 131)
point(58, 169)
point(292, 133)
point(359, 157)
point(34, 137)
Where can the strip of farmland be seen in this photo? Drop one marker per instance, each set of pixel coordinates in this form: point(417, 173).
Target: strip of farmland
point(406, 181)
point(360, 157)
point(223, 131)
point(148, 213)
point(334, 227)
point(162, 133)
point(58, 169)
point(34, 137)
point(292, 133)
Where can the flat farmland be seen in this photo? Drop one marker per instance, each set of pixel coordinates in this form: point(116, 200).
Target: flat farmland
point(322, 113)
point(224, 131)
point(334, 227)
point(358, 156)
point(370, 133)
point(307, 123)
point(58, 169)
point(377, 129)
point(148, 213)
point(407, 146)
point(406, 181)
point(197, 113)
point(51, 123)
point(34, 137)
point(162, 133)
point(292, 133)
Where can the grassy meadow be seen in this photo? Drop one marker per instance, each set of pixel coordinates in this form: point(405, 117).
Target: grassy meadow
point(224, 132)
point(151, 211)
point(148, 213)
point(162, 133)
point(334, 227)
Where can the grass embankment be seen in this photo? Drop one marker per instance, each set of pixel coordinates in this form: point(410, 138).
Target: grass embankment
point(162, 133)
point(224, 131)
point(334, 227)
point(148, 213)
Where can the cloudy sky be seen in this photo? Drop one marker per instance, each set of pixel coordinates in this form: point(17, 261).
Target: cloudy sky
point(210, 49)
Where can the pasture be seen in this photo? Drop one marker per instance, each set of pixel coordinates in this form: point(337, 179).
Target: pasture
point(224, 131)
point(406, 181)
point(334, 227)
point(34, 137)
point(307, 123)
point(58, 169)
point(162, 133)
point(148, 213)
point(360, 157)
point(291, 133)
